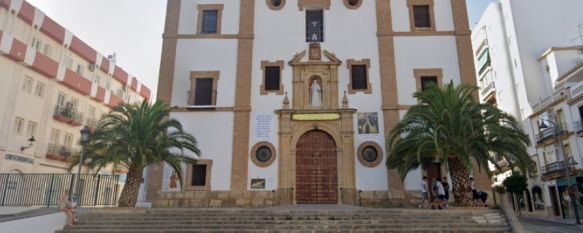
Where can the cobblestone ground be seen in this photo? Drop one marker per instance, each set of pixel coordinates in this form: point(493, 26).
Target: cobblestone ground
point(542, 226)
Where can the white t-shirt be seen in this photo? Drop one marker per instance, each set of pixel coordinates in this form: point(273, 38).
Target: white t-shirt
point(423, 187)
point(440, 189)
point(473, 185)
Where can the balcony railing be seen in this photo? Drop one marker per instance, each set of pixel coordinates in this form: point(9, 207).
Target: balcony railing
point(68, 115)
point(191, 99)
point(58, 152)
point(557, 169)
point(550, 132)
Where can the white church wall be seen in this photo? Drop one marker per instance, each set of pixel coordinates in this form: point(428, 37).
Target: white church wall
point(213, 146)
point(224, 62)
point(400, 16)
point(423, 53)
point(189, 16)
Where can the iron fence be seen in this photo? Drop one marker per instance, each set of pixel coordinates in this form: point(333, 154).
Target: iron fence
point(45, 189)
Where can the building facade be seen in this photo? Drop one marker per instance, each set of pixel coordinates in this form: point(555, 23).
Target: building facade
point(53, 84)
point(517, 72)
point(300, 95)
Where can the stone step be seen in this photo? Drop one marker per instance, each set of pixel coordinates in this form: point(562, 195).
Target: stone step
point(290, 226)
point(239, 221)
point(417, 230)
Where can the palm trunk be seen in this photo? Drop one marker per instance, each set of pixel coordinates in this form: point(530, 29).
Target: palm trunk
point(460, 180)
point(129, 194)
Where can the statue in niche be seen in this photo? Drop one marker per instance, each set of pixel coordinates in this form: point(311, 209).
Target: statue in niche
point(316, 94)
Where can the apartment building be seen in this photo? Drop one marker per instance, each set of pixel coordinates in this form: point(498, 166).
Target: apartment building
point(525, 51)
point(52, 84)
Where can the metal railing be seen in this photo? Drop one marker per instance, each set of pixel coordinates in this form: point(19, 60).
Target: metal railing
point(60, 151)
point(68, 115)
point(550, 132)
point(558, 167)
point(46, 189)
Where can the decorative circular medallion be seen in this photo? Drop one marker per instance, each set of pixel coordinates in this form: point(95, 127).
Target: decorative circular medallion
point(263, 154)
point(370, 154)
point(352, 4)
point(275, 4)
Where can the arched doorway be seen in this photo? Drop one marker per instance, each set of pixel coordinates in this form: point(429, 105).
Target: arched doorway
point(316, 174)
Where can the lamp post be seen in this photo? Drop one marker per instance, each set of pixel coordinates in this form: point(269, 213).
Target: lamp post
point(84, 139)
point(566, 164)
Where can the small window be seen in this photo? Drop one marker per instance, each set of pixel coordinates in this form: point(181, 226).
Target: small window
point(80, 69)
point(314, 25)
point(370, 154)
point(272, 78)
point(352, 4)
point(68, 140)
point(275, 4)
point(27, 85)
point(359, 79)
point(198, 175)
point(19, 125)
point(263, 154)
point(203, 91)
point(61, 98)
point(39, 89)
point(209, 21)
point(31, 129)
point(55, 136)
point(427, 81)
point(422, 16)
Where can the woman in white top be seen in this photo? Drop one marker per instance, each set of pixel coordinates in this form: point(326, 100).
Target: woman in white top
point(66, 206)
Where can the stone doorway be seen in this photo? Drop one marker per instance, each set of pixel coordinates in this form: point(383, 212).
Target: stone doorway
point(316, 163)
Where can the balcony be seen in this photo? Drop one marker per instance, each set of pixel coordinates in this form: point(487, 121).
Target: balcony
point(547, 136)
point(557, 169)
point(68, 115)
point(59, 153)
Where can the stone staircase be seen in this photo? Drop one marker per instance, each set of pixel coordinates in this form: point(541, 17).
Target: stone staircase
point(291, 220)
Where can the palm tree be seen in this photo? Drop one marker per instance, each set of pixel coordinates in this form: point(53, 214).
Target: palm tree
point(134, 136)
point(447, 125)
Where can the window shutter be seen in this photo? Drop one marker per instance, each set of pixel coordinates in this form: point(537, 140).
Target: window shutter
point(203, 91)
point(198, 175)
point(272, 78)
point(422, 17)
point(359, 79)
point(209, 21)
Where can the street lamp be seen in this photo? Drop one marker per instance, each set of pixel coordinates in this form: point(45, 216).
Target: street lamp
point(85, 132)
point(557, 135)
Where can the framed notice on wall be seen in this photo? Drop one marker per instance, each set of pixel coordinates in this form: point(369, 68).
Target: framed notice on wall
point(263, 126)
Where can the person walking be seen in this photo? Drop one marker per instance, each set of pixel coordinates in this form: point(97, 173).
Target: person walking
point(446, 187)
point(440, 201)
point(424, 193)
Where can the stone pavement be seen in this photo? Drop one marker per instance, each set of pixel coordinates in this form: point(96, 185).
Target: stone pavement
point(545, 225)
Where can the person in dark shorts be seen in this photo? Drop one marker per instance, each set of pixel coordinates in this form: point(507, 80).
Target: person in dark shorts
point(440, 201)
point(446, 187)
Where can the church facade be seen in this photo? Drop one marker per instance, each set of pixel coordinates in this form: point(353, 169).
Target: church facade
point(291, 100)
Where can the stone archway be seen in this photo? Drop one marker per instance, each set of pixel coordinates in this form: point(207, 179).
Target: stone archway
point(317, 170)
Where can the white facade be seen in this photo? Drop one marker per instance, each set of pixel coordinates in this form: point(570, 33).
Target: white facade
point(519, 73)
point(279, 35)
point(45, 68)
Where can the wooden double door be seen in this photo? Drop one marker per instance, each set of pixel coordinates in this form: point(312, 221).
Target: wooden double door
point(316, 164)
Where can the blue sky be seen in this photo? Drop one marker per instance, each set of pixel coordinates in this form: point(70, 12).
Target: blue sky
point(133, 29)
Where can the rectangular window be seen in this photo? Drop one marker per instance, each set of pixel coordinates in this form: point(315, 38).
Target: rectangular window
point(359, 79)
point(198, 175)
point(422, 17)
point(91, 112)
point(80, 69)
point(427, 81)
point(68, 140)
point(272, 78)
point(19, 125)
point(27, 85)
point(74, 104)
point(55, 136)
point(209, 21)
point(69, 63)
point(203, 91)
point(31, 129)
point(314, 25)
point(61, 99)
point(48, 51)
point(39, 89)
point(36, 44)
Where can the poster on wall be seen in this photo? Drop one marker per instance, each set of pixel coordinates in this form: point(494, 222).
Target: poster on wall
point(171, 183)
point(257, 183)
point(263, 126)
point(368, 123)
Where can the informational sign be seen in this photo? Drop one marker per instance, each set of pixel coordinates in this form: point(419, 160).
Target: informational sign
point(17, 158)
point(263, 126)
point(257, 183)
